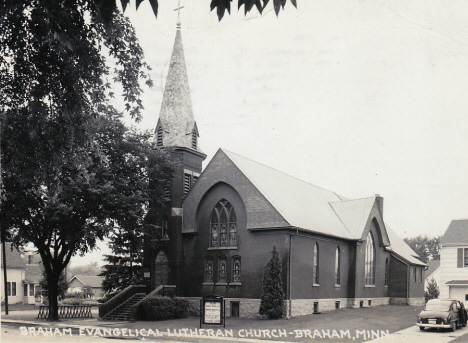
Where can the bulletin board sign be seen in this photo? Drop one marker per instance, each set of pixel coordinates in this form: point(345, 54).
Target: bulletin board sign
point(212, 310)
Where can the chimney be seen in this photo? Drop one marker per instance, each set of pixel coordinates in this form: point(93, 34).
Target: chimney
point(379, 201)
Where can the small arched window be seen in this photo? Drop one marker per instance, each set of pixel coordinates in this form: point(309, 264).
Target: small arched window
point(222, 272)
point(316, 265)
point(337, 266)
point(209, 269)
point(223, 225)
point(370, 261)
point(236, 269)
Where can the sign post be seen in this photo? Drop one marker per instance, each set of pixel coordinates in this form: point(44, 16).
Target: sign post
point(212, 310)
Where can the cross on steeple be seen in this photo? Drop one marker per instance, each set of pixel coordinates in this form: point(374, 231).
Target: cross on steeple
point(178, 13)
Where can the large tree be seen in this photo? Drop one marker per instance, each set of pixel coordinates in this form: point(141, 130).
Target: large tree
point(271, 300)
point(64, 148)
point(221, 6)
point(428, 248)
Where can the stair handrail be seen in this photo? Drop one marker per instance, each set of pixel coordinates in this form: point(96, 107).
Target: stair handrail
point(156, 291)
point(119, 299)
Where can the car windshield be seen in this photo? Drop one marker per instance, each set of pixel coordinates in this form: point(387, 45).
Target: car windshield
point(437, 306)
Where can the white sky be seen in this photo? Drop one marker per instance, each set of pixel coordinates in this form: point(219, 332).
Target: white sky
point(358, 97)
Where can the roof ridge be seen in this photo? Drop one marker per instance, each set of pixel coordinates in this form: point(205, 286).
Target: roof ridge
point(282, 172)
point(348, 200)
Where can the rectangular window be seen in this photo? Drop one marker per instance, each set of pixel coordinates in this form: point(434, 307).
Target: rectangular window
point(25, 289)
point(235, 309)
point(31, 290)
point(420, 274)
point(167, 191)
point(466, 297)
point(337, 305)
point(11, 289)
point(414, 274)
point(465, 257)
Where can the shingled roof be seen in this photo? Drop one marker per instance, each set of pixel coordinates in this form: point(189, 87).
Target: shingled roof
point(456, 233)
point(176, 115)
point(93, 281)
point(14, 258)
point(316, 209)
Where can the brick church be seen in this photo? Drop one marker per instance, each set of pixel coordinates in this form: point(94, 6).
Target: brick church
point(221, 222)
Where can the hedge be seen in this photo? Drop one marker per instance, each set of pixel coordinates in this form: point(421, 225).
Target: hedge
point(162, 308)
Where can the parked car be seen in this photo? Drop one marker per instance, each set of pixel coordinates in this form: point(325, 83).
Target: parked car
point(442, 314)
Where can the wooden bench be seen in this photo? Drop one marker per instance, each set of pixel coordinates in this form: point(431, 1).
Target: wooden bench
point(67, 311)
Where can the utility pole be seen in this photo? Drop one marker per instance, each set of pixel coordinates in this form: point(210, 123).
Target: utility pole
point(3, 235)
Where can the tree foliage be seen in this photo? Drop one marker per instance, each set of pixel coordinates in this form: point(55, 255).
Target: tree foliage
point(108, 6)
point(71, 170)
point(272, 297)
point(432, 290)
point(428, 248)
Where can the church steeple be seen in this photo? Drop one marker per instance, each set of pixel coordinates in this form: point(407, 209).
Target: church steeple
point(176, 125)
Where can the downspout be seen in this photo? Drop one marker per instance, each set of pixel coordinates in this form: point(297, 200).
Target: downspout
point(289, 275)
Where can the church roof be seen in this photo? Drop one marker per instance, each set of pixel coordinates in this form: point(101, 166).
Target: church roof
point(456, 233)
point(176, 115)
point(312, 208)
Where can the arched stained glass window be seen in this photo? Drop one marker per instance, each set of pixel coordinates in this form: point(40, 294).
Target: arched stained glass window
point(386, 271)
point(316, 265)
point(223, 224)
point(337, 266)
point(222, 272)
point(370, 261)
point(209, 270)
point(236, 269)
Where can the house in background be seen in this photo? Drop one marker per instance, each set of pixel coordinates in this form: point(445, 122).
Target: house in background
point(24, 272)
point(79, 282)
point(453, 270)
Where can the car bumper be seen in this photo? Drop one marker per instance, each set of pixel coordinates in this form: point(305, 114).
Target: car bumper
point(437, 326)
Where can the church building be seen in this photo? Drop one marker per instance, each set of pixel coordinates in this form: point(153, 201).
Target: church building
point(221, 223)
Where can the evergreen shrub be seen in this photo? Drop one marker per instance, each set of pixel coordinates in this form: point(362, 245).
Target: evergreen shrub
point(272, 297)
point(163, 308)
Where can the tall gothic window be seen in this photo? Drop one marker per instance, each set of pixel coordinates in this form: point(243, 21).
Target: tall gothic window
point(337, 266)
point(386, 271)
point(223, 225)
point(316, 264)
point(370, 261)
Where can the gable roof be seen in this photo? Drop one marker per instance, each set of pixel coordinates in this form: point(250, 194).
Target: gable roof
point(456, 233)
point(432, 266)
point(13, 257)
point(95, 281)
point(316, 209)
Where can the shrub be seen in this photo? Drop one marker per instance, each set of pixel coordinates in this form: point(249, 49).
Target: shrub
point(163, 308)
point(272, 296)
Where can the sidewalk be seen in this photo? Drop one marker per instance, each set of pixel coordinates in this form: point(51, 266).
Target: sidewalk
point(357, 325)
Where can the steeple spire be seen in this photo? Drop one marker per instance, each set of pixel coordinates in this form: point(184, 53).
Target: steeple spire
point(176, 125)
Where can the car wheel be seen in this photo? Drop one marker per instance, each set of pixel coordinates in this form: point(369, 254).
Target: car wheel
point(454, 326)
point(421, 328)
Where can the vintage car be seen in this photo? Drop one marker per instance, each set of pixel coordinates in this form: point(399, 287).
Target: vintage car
point(442, 314)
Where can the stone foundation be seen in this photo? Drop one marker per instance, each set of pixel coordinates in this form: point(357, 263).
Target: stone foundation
point(248, 308)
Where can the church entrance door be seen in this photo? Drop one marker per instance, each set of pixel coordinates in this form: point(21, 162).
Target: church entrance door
point(161, 269)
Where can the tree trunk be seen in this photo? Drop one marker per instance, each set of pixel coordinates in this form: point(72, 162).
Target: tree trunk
point(52, 281)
